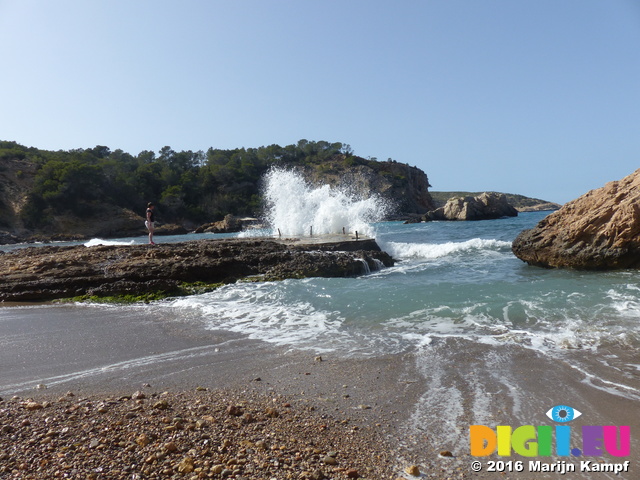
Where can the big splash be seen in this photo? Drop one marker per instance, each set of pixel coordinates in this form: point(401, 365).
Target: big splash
point(295, 207)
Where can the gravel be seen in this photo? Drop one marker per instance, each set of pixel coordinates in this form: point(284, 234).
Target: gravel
point(190, 434)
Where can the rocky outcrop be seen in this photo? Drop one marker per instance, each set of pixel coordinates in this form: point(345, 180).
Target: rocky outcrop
point(486, 206)
point(520, 202)
point(600, 230)
point(404, 186)
point(47, 273)
point(541, 207)
point(230, 224)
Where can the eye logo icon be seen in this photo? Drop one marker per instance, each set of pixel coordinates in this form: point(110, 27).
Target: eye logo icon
point(563, 413)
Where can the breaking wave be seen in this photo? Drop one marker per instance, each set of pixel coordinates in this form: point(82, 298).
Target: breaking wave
point(295, 207)
point(429, 251)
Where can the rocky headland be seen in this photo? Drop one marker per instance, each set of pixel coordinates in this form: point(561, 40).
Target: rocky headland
point(486, 206)
point(599, 231)
point(55, 272)
point(519, 202)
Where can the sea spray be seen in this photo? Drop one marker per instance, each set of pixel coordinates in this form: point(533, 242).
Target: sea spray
point(294, 207)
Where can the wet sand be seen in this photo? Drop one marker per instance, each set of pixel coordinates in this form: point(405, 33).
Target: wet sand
point(412, 407)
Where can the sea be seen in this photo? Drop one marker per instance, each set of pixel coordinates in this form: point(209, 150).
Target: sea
point(454, 285)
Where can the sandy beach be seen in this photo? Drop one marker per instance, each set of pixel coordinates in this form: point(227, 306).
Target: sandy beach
point(376, 416)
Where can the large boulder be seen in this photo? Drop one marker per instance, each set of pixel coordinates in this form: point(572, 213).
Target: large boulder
point(598, 231)
point(486, 206)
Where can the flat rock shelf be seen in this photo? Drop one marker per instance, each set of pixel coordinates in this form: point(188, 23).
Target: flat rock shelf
point(63, 272)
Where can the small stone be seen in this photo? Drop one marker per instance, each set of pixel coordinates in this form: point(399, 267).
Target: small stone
point(413, 470)
point(271, 412)
point(143, 440)
point(33, 406)
point(446, 453)
point(161, 405)
point(186, 465)
point(327, 460)
point(170, 447)
point(217, 469)
point(247, 418)
point(201, 389)
point(138, 395)
point(318, 358)
point(41, 386)
point(353, 473)
point(235, 410)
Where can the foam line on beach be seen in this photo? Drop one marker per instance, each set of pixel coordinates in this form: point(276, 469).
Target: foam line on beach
point(113, 367)
point(612, 388)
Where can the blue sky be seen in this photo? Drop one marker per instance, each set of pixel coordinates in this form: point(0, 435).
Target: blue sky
point(535, 97)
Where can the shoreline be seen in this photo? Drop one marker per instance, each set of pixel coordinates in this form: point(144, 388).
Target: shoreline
point(102, 363)
point(408, 407)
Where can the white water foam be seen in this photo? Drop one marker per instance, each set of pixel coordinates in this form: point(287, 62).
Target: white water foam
point(294, 207)
point(263, 312)
point(94, 242)
point(430, 251)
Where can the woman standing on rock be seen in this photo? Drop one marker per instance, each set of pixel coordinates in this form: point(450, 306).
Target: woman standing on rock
point(149, 223)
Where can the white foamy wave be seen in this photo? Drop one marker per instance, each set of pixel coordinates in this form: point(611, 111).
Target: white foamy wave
point(295, 207)
point(94, 242)
point(429, 251)
point(261, 311)
point(625, 303)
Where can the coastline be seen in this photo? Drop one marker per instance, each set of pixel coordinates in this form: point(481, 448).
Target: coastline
point(354, 404)
point(382, 414)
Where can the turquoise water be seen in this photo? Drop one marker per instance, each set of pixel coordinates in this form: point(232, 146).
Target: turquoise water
point(451, 279)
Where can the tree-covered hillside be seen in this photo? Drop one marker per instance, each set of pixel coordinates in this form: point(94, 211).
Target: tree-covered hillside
point(188, 187)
